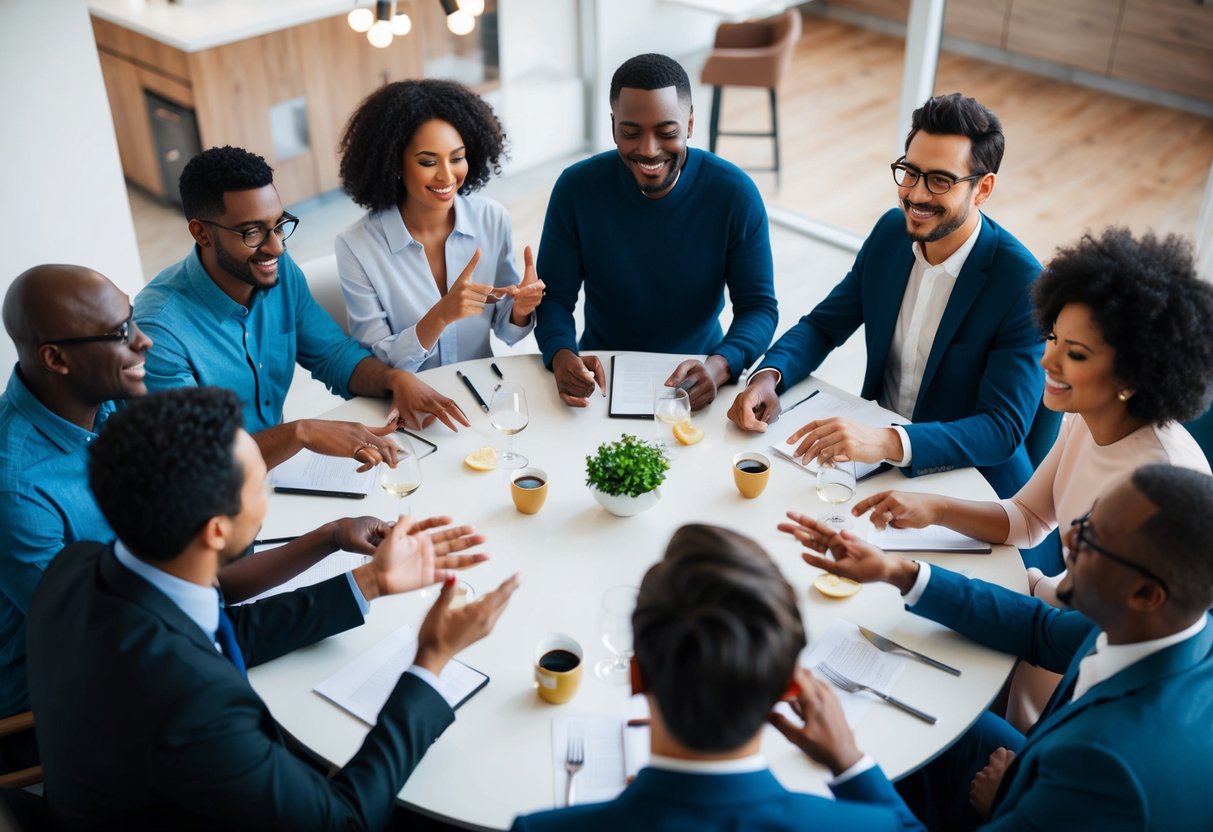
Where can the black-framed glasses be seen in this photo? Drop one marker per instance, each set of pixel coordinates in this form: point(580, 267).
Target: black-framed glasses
point(937, 181)
point(122, 333)
point(255, 236)
point(1083, 540)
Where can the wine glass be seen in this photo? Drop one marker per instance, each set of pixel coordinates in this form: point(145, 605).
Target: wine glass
point(615, 621)
point(508, 414)
point(836, 485)
point(671, 405)
point(405, 478)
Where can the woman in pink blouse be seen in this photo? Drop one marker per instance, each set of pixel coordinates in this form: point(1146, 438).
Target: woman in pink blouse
point(1129, 356)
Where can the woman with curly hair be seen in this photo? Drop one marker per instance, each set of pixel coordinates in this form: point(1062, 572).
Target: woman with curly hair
point(1129, 355)
point(430, 268)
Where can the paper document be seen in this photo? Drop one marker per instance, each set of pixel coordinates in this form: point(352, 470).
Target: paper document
point(364, 685)
point(844, 649)
point(335, 564)
point(930, 539)
point(633, 377)
point(614, 752)
point(823, 405)
point(332, 476)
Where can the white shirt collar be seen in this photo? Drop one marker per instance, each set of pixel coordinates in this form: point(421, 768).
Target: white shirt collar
point(199, 603)
point(1110, 659)
point(741, 765)
point(956, 262)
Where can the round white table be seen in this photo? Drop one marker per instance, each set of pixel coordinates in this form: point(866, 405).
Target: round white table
point(495, 761)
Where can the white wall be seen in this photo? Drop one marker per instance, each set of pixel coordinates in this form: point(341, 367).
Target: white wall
point(62, 196)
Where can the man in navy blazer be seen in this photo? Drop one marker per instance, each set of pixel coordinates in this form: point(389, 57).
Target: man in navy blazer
point(1125, 742)
point(942, 294)
point(145, 718)
point(717, 634)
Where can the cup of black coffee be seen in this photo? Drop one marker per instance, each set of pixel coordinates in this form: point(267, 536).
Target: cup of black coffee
point(558, 667)
point(751, 471)
point(529, 488)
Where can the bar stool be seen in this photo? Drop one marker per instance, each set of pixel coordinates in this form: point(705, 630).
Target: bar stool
point(756, 53)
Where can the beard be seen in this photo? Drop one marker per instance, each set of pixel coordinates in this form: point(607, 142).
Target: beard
point(670, 178)
point(942, 230)
point(240, 269)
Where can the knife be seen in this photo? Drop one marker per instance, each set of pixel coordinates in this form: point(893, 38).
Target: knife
point(888, 645)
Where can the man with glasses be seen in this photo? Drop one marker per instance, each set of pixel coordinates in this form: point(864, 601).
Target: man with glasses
point(237, 313)
point(1125, 742)
point(942, 294)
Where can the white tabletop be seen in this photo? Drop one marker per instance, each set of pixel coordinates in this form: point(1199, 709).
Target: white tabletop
point(495, 760)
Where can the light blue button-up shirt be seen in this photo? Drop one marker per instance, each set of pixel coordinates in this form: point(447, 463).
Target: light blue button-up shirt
point(45, 504)
point(388, 284)
point(203, 337)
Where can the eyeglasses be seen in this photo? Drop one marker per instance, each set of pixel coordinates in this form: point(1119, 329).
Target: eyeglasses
point(937, 181)
point(256, 236)
point(122, 333)
point(1082, 540)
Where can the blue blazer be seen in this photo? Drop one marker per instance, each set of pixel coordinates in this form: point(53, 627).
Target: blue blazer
point(668, 800)
point(1133, 753)
point(982, 381)
point(143, 724)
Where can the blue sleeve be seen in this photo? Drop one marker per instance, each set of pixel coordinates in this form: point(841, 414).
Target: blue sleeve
point(872, 787)
point(321, 346)
point(1004, 620)
point(31, 534)
point(749, 274)
point(560, 268)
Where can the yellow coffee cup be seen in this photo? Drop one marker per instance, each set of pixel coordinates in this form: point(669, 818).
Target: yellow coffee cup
point(529, 488)
point(751, 471)
point(558, 665)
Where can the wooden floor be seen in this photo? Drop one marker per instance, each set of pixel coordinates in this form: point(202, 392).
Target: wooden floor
point(1076, 158)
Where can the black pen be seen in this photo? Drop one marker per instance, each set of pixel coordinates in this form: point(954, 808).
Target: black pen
point(272, 540)
point(686, 384)
point(497, 370)
point(802, 401)
point(468, 384)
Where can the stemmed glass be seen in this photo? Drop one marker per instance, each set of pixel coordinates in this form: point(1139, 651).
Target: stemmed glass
point(615, 620)
point(671, 405)
point(405, 478)
point(508, 415)
point(836, 485)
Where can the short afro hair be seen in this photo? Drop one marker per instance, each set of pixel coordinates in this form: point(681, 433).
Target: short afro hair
point(717, 634)
point(1152, 310)
point(212, 173)
point(372, 146)
point(1176, 538)
point(651, 71)
point(957, 115)
point(164, 465)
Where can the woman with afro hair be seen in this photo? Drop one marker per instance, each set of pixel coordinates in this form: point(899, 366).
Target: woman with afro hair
point(1128, 356)
point(430, 268)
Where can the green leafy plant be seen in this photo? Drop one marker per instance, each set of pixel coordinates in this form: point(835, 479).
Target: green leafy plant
point(628, 466)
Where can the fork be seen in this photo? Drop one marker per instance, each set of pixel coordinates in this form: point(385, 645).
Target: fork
point(851, 686)
point(574, 759)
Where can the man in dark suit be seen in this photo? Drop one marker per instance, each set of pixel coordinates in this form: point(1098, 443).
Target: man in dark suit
point(717, 634)
point(137, 672)
point(1125, 741)
point(942, 294)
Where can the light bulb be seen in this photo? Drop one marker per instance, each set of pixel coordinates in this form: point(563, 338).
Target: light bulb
point(361, 20)
point(475, 7)
point(380, 34)
point(401, 25)
point(460, 22)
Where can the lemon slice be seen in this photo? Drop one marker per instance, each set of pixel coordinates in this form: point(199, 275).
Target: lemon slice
point(833, 586)
point(484, 459)
point(686, 432)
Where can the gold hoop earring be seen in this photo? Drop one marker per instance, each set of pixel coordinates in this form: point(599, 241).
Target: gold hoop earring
point(1124, 395)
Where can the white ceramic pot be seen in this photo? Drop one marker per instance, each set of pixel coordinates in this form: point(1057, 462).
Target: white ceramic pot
point(623, 506)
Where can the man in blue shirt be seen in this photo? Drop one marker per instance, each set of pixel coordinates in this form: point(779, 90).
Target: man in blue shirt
point(654, 232)
point(237, 313)
point(718, 634)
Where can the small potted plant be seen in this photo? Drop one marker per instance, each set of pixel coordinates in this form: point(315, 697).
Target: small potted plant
point(623, 475)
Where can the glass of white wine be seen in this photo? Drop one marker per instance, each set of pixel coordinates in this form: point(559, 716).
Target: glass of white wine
point(836, 485)
point(508, 415)
point(615, 620)
point(671, 405)
point(405, 478)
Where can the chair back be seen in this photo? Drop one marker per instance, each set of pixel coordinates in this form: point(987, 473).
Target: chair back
point(325, 286)
point(757, 53)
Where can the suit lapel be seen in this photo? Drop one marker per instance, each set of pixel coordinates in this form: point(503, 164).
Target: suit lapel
point(968, 286)
point(880, 316)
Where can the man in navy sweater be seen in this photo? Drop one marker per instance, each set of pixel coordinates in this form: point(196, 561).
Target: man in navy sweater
point(654, 232)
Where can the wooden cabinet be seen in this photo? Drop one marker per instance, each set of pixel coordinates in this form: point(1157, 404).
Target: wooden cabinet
point(1075, 33)
point(232, 89)
point(984, 21)
point(1166, 44)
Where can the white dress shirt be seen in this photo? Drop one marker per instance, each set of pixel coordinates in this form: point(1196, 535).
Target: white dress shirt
point(388, 284)
point(745, 765)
